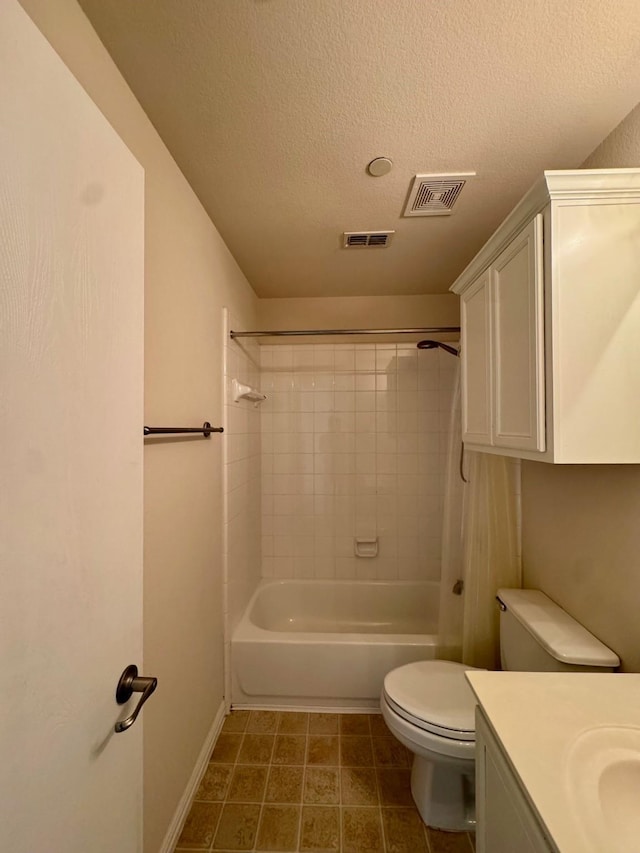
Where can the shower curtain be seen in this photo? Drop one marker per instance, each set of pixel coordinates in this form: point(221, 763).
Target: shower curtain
point(451, 605)
point(490, 553)
point(479, 546)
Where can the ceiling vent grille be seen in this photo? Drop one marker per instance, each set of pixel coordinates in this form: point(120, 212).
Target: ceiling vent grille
point(435, 195)
point(366, 239)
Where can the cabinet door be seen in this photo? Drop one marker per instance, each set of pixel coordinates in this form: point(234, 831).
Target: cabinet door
point(475, 310)
point(518, 342)
point(506, 823)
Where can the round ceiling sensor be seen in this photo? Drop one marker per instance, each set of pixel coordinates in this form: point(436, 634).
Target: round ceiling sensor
point(379, 167)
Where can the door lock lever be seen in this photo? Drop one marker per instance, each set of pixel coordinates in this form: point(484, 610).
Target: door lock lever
point(130, 683)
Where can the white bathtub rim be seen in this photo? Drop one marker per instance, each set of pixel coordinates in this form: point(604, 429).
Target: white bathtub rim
point(248, 631)
point(338, 582)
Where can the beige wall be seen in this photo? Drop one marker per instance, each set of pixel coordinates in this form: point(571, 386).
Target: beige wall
point(190, 275)
point(621, 149)
point(581, 529)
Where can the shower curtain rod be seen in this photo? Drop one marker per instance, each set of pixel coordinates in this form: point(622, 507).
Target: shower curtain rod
point(427, 330)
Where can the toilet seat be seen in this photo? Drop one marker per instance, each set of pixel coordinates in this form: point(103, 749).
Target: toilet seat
point(434, 696)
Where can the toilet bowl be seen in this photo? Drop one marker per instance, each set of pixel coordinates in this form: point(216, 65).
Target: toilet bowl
point(429, 707)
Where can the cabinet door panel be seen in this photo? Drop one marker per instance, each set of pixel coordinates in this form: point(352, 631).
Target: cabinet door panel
point(518, 339)
point(506, 827)
point(506, 822)
point(475, 310)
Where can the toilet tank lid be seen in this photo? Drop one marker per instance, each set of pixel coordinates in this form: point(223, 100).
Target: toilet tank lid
point(557, 632)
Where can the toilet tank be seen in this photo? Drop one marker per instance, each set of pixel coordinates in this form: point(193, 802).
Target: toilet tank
point(538, 636)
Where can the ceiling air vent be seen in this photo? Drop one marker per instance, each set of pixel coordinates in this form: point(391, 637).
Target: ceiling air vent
point(366, 239)
point(435, 195)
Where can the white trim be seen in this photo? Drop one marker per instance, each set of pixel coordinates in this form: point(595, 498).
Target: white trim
point(175, 827)
point(593, 183)
point(373, 708)
point(533, 203)
point(516, 453)
point(553, 186)
point(227, 344)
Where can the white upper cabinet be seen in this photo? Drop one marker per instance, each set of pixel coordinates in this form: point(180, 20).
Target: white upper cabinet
point(550, 315)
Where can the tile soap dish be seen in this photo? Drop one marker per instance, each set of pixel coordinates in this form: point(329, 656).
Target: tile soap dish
point(365, 547)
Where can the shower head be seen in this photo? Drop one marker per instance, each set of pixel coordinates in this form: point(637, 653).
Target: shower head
point(436, 344)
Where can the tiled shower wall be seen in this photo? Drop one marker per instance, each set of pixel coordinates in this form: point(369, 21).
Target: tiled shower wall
point(353, 445)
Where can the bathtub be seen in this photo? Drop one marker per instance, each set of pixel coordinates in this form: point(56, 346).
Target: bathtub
point(329, 644)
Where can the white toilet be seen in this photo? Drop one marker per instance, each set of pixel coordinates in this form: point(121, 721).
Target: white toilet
point(430, 708)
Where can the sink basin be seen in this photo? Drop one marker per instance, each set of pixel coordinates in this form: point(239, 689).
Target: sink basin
point(603, 779)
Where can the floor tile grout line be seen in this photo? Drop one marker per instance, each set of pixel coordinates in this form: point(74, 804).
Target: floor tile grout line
point(238, 764)
point(340, 802)
point(304, 780)
point(269, 765)
point(235, 765)
point(224, 802)
point(376, 767)
point(379, 793)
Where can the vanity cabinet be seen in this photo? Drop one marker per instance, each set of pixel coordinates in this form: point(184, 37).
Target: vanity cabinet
point(505, 820)
point(550, 324)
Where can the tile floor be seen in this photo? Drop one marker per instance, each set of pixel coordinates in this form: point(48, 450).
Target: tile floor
point(310, 783)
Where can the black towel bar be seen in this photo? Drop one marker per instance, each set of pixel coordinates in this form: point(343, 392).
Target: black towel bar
point(206, 429)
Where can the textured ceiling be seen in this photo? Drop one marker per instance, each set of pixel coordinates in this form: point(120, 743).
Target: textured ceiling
point(273, 108)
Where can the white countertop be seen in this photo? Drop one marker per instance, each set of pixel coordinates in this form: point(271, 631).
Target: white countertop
point(539, 718)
